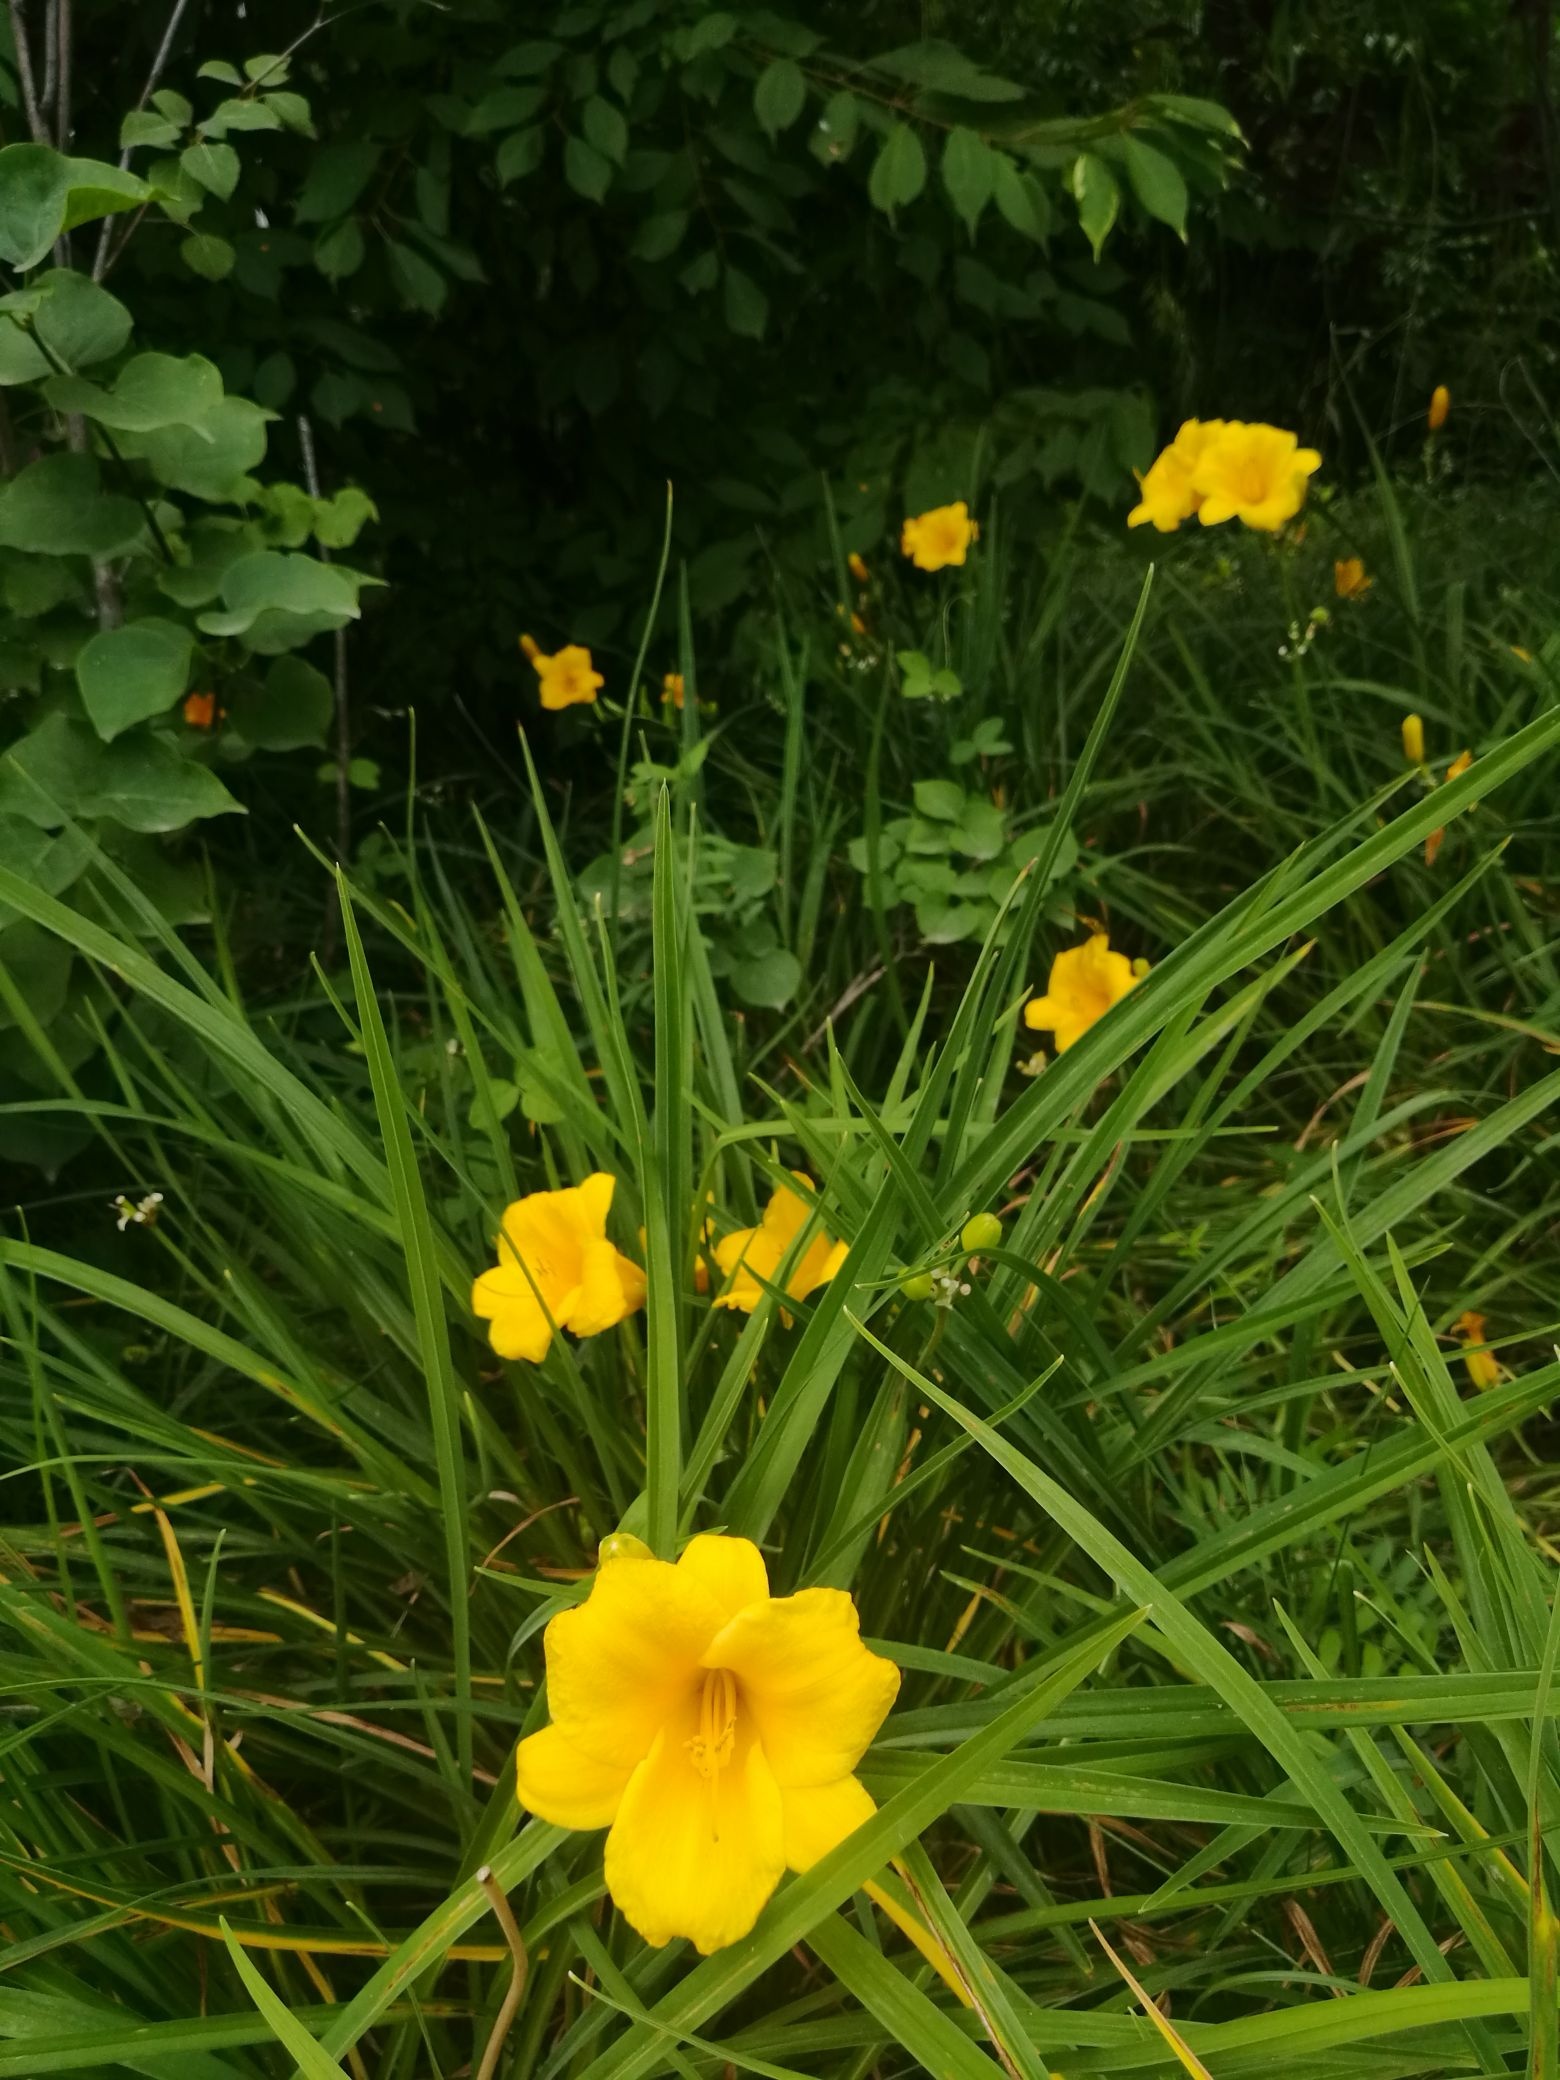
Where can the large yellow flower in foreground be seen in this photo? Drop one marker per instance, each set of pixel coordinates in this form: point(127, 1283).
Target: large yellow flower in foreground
point(567, 678)
point(714, 1728)
point(1084, 983)
point(553, 1248)
point(942, 536)
point(751, 1254)
point(1168, 496)
point(1255, 474)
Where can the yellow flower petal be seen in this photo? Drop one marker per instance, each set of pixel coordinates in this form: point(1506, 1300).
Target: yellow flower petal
point(818, 1817)
point(754, 1254)
point(558, 1781)
point(732, 1570)
point(610, 1289)
point(621, 1663)
point(695, 1855)
point(817, 1694)
point(519, 1327)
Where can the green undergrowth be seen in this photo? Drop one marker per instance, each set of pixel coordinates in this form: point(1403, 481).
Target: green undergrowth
point(1223, 1598)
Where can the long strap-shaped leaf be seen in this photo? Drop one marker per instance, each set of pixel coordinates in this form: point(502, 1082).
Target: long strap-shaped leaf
point(427, 1292)
point(1193, 1645)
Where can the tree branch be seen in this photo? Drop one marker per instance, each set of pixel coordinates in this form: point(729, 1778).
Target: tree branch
point(38, 128)
point(164, 50)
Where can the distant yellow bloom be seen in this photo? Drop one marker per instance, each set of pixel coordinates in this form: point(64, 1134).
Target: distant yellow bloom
point(567, 677)
point(1084, 983)
point(713, 1728)
point(556, 1270)
point(754, 1253)
point(1454, 771)
point(857, 566)
point(1517, 651)
point(1483, 1366)
point(943, 536)
point(1168, 496)
point(672, 689)
point(1414, 739)
point(1254, 474)
point(1440, 405)
point(1349, 577)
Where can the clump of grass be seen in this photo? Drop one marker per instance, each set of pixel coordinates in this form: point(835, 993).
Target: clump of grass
point(1228, 1643)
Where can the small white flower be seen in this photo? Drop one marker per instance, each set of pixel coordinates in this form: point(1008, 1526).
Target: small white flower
point(143, 1212)
point(947, 1286)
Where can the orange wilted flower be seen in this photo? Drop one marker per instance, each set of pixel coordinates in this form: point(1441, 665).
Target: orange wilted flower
point(1483, 1366)
point(672, 690)
point(201, 710)
point(1350, 580)
point(857, 566)
point(1440, 405)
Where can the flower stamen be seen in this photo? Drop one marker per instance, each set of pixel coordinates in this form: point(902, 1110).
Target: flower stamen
point(710, 1748)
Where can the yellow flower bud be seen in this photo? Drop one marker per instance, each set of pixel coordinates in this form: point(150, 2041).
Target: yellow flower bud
point(1414, 739)
point(622, 1545)
point(1440, 405)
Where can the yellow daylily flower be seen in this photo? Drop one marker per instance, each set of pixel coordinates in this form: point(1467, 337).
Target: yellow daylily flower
point(1350, 580)
point(1084, 982)
point(672, 692)
point(1254, 474)
point(750, 1254)
point(1454, 771)
point(1168, 496)
point(1440, 405)
point(556, 1270)
point(1414, 739)
point(942, 536)
point(567, 677)
point(713, 1728)
point(1483, 1366)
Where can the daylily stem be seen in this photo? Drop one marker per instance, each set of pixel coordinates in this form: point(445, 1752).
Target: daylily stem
point(502, 2022)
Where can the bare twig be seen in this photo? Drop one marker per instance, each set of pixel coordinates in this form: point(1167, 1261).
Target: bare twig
point(100, 258)
point(64, 27)
point(24, 74)
point(510, 2006)
point(50, 49)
